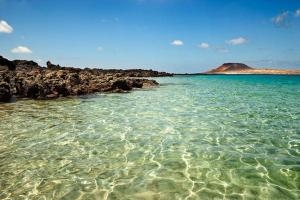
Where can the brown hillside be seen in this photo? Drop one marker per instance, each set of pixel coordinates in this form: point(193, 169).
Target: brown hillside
point(230, 67)
point(240, 68)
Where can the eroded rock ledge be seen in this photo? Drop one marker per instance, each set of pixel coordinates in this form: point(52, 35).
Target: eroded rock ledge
point(26, 79)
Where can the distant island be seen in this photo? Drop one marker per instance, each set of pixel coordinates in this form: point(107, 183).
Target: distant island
point(240, 68)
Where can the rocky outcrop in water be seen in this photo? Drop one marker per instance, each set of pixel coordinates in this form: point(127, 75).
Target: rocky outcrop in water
point(5, 92)
point(26, 79)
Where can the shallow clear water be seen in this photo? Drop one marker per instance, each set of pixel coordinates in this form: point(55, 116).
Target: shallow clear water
point(194, 137)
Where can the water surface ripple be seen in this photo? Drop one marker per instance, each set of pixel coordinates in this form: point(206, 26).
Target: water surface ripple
point(194, 137)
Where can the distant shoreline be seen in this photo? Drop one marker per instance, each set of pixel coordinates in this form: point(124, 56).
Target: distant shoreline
point(257, 72)
point(242, 69)
point(223, 74)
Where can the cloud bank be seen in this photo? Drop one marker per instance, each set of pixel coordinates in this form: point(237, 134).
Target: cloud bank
point(281, 19)
point(21, 49)
point(237, 41)
point(177, 43)
point(203, 45)
point(5, 27)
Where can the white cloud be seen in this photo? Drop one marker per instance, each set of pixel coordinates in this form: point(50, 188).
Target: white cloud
point(297, 14)
point(203, 45)
point(237, 41)
point(177, 43)
point(21, 49)
point(5, 27)
point(99, 48)
point(281, 19)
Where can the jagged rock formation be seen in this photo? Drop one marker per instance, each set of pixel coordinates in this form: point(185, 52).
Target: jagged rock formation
point(26, 79)
point(6, 64)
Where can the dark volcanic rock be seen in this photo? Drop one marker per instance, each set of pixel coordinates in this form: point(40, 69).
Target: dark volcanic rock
point(6, 85)
point(5, 91)
point(25, 65)
point(51, 66)
point(122, 84)
point(29, 80)
point(6, 64)
point(34, 90)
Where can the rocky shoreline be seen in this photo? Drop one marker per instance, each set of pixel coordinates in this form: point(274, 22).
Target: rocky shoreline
point(26, 79)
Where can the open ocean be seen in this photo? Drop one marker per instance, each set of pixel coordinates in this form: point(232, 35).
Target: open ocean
point(193, 137)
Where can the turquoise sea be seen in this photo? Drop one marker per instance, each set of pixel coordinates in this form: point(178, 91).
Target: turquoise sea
point(193, 137)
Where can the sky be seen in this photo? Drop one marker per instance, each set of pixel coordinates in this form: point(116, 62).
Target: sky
point(182, 36)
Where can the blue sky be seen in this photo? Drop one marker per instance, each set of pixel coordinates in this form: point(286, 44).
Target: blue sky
point(168, 35)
